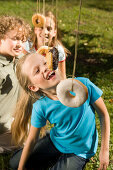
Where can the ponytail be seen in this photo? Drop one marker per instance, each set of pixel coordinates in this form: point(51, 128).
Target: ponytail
point(22, 115)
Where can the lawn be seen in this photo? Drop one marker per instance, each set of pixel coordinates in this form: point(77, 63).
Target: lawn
point(95, 49)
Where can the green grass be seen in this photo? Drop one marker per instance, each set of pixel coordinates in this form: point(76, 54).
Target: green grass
point(95, 50)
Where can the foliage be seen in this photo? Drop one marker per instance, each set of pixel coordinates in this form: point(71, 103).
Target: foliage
point(95, 49)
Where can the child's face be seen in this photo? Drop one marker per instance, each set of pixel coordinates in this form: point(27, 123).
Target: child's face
point(12, 45)
point(47, 33)
point(35, 68)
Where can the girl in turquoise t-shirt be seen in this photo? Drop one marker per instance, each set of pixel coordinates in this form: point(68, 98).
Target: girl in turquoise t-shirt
point(73, 139)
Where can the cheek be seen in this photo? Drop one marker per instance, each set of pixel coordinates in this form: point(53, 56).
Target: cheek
point(53, 34)
point(12, 43)
point(37, 80)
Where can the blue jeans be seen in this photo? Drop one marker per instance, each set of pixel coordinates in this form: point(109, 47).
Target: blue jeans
point(46, 156)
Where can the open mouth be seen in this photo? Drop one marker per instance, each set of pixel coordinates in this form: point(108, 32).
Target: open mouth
point(50, 75)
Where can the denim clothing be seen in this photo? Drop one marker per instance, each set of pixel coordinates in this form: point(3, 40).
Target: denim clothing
point(45, 156)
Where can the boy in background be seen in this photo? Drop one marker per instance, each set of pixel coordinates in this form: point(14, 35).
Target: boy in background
point(14, 32)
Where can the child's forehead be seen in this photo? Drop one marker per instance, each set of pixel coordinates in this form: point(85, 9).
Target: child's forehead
point(32, 61)
point(50, 20)
point(35, 58)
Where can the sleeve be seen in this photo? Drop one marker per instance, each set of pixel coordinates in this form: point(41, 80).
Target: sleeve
point(28, 46)
point(62, 56)
point(37, 118)
point(94, 92)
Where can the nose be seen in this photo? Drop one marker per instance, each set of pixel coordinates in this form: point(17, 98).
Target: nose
point(46, 31)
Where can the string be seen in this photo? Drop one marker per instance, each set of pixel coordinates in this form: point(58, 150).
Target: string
point(56, 20)
point(76, 43)
point(51, 17)
point(44, 15)
point(37, 6)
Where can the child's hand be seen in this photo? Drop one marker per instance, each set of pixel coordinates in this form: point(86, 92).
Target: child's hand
point(104, 160)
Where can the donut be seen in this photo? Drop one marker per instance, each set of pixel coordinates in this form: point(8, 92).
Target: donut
point(51, 54)
point(38, 20)
point(64, 89)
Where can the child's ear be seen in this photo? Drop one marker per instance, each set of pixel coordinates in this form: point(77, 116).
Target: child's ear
point(33, 88)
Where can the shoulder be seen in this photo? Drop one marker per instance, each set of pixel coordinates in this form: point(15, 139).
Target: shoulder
point(29, 46)
point(39, 103)
point(60, 48)
point(83, 80)
point(61, 52)
point(94, 92)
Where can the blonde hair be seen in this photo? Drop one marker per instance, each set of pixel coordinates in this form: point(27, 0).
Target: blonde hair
point(56, 40)
point(23, 110)
point(8, 23)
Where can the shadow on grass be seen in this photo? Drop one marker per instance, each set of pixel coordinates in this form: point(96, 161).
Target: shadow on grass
point(87, 62)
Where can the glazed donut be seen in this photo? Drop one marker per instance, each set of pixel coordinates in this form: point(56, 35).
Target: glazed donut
point(51, 54)
point(64, 89)
point(38, 20)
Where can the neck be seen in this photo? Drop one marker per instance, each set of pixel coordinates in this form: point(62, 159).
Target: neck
point(51, 93)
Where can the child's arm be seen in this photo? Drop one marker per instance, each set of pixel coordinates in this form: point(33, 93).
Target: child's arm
point(105, 132)
point(62, 69)
point(29, 145)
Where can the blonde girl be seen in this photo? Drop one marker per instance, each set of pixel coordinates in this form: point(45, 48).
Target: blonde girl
point(73, 140)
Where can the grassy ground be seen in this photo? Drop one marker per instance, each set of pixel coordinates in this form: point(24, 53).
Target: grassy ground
point(95, 50)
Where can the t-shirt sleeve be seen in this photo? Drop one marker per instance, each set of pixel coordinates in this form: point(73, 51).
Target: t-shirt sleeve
point(28, 46)
point(62, 56)
point(37, 117)
point(94, 92)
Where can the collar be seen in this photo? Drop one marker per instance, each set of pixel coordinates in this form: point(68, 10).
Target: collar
point(5, 61)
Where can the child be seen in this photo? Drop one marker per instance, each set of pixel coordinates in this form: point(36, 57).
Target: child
point(49, 36)
point(13, 34)
point(73, 139)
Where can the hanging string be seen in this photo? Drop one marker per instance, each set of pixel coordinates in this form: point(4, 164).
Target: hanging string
point(44, 22)
point(44, 7)
point(56, 20)
point(52, 5)
point(76, 43)
point(37, 6)
point(51, 18)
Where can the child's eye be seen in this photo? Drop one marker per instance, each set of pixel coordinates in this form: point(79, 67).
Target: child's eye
point(45, 63)
point(14, 38)
point(49, 28)
point(37, 71)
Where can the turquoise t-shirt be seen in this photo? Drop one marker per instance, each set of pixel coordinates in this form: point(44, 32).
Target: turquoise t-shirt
point(74, 129)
